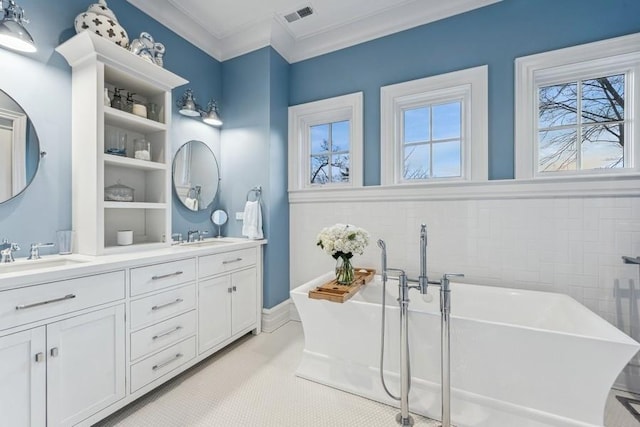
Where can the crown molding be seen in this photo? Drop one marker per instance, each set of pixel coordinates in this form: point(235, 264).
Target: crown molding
point(274, 32)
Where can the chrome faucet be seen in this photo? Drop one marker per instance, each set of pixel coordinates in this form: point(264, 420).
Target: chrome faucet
point(6, 251)
point(191, 235)
point(34, 252)
point(176, 238)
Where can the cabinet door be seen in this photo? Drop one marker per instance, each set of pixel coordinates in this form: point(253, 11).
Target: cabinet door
point(23, 379)
point(214, 312)
point(86, 365)
point(244, 297)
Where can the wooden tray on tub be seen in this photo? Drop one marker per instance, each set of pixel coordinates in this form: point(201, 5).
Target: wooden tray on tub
point(334, 292)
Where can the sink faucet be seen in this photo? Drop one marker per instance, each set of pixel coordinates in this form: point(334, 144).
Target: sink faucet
point(6, 251)
point(191, 235)
point(34, 252)
point(176, 238)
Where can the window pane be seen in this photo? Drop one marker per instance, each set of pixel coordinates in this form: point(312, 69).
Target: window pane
point(340, 168)
point(416, 125)
point(603, 99)
point(446, 159)
point(602, 147)
point(320, 138)
point(319, 170)
point(557, 105)
point(446, 120)
point(556, 150)
point(416, 161)
point(340, 136)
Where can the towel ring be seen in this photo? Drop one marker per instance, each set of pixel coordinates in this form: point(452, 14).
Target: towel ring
point(257, 193)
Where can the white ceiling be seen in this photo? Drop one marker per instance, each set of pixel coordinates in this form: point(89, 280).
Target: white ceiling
point(229, 28)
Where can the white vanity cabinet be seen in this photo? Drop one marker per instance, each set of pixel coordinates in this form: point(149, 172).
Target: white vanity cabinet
point(71, 363)
point(99, 64)
point(227, 302)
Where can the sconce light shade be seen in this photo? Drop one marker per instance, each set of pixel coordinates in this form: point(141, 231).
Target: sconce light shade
point(187, 104)
point(12, 32)
point(211, 116)
point(188, 107)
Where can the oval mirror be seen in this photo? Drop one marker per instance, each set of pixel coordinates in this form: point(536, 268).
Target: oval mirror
point(195, 175)
point(19, 149)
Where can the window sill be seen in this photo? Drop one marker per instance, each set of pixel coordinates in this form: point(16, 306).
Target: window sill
point(540, 188)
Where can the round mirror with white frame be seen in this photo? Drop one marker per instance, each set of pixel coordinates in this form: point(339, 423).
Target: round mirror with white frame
point(196, 176)
point(19, 149)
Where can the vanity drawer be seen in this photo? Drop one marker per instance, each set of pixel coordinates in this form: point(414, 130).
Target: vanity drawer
point(159, 276)
point(148, 370)
point(33, 303)
point(155, 308)
point(162, 334)
point(221, 263)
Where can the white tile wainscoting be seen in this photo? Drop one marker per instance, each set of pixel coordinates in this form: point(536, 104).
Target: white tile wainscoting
point(552, 236)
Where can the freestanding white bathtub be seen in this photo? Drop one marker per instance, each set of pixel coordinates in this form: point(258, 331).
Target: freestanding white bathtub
point(518, 358)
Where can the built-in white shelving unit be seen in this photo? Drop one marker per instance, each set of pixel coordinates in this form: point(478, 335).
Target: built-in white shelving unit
point(98, 64)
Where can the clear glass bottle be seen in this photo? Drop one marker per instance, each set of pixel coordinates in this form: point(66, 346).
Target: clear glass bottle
point(107, 99)
point(116, 102)
point(152, 112)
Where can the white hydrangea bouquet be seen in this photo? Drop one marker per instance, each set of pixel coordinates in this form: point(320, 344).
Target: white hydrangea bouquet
point(341, 241)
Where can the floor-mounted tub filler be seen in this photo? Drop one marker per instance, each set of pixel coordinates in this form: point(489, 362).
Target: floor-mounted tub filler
point(517, 357)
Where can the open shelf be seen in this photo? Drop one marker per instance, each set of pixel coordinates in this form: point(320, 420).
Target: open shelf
point(129, 121)
point(110, 159)
point(134, 205)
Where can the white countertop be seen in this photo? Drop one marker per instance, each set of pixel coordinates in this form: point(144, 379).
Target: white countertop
point(59, 267)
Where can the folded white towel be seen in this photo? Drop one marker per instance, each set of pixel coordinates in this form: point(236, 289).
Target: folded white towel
point(252, 221)
point(191, 203)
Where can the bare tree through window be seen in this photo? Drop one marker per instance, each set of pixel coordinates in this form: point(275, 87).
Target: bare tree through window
point(581, 124)
point(330, 157)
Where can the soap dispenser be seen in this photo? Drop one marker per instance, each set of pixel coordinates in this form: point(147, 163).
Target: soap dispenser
point(129, 106)
point(117, 99)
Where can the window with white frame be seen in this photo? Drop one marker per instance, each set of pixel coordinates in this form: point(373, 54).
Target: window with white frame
point(325, 143)
point(435, 129)
point(574, 110)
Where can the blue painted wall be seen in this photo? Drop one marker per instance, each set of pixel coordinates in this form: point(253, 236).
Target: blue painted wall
point(41, 84)
point(493, 35)
point(254, 152)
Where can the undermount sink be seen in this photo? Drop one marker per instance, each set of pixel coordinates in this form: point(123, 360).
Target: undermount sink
point(207, 242)
point(31, 265)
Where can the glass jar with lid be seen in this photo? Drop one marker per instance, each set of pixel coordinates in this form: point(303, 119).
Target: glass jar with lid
point(118, 193)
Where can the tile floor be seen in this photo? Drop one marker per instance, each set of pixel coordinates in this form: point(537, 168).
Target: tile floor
point(252, 383)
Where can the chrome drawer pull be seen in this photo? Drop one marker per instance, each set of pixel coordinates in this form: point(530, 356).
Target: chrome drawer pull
point(40, 357)
point(232, 261)
point(168, 362)
point(164, 276)
point(158, 307)
point(37, 304)
point(173, 331)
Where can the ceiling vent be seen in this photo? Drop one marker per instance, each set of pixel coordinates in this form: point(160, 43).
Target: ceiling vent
point(299, 14)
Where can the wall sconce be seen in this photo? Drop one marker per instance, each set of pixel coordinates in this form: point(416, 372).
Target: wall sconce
point(188, 107)
point(12, 32)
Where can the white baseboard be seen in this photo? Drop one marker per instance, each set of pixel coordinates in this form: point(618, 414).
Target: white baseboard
point(273, 318)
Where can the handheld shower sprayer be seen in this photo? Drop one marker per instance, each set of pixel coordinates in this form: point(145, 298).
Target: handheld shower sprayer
point(383, 255)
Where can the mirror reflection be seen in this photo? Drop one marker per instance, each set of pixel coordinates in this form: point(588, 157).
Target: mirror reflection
point(19, 149)
point(195, 175)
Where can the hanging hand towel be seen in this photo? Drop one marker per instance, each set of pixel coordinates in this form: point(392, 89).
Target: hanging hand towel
point(191, 203)
point(252, 222)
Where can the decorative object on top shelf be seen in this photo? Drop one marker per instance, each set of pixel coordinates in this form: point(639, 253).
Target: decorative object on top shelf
point(146, 48)
point(188, 107)
point(341, 241)
point(101, 20)
point(12, 32)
